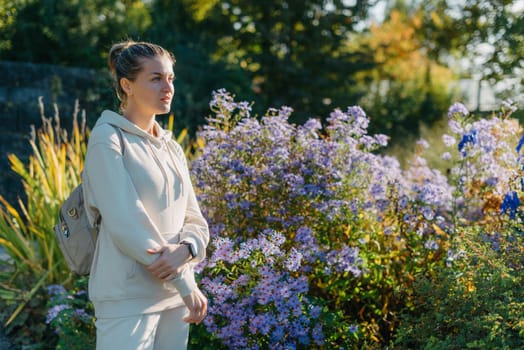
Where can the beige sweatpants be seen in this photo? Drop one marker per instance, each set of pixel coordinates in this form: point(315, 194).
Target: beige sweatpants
point(156, 331)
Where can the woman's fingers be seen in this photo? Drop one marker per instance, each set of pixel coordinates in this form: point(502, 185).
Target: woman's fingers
point(197, 305)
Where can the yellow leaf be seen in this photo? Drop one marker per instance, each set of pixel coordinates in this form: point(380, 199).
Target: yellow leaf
point(439, 231)
point(437, 21)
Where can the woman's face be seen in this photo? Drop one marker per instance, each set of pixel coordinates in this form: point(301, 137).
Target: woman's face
point(152, 90)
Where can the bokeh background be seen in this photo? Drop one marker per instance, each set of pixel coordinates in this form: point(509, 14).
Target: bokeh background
point(403, 61)
point(359, 163)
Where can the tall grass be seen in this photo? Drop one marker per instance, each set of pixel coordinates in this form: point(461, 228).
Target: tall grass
point(26, 229)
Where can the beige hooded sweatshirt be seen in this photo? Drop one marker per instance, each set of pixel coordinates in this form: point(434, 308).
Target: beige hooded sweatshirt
point(145, 198)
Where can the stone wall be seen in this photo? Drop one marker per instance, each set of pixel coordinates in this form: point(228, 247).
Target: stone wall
point(21, 86)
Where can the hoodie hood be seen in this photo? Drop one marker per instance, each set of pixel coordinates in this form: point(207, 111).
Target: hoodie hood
point(110, 117)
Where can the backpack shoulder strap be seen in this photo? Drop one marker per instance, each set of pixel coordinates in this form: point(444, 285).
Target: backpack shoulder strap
point(98, 217)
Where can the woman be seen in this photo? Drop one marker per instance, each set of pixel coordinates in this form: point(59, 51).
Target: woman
point(152, 232)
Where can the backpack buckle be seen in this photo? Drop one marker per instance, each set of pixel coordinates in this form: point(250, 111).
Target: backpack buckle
point(73, 213)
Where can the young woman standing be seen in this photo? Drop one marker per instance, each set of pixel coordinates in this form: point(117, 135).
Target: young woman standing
point(152, 231)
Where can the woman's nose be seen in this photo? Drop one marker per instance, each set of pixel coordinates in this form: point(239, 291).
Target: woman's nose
point(168, 86)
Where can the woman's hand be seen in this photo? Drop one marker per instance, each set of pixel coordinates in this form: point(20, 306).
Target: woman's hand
point(196, 302)
point(170, 261)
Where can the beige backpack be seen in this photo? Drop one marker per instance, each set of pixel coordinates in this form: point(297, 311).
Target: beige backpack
point(76, 236)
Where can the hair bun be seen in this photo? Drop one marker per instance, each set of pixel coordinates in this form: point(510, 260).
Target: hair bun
point(115, 52)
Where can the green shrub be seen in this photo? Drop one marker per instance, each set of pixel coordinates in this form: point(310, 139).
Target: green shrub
point(70, 316)
point(476, 305)
point(26, 229)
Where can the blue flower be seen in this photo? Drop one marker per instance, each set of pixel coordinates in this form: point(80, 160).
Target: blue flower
point(519, 146)
point(510, 202)
point(468, 138)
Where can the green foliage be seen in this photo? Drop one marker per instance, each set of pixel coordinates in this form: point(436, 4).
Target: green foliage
point(28, 330)
point(70, 315)
point(476, 305)
point(72, 32)
point(8, 13)
point(26, 229)
point(292, 51)
point(497, 25)
point(477, 301)
point(276, 53)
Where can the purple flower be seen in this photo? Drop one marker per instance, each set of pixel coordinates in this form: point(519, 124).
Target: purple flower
point(318, 335)
point(423, 143)
point(82, 315)
point(431, 244)
point(315, 311)
point(346, 260)
point(294, 260)
point(455, 127)
point(448, 140)
point(357, 112)
point(382, 139)
point(54, 311)
point(56, 289)
point(428, 213)
point(457, 108)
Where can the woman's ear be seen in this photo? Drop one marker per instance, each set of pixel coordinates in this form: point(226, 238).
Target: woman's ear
point(126, 86)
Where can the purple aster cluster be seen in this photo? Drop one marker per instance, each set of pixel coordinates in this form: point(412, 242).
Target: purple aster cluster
point(261, 301)
point(458, 109)
point(55, 311)
point(69, 310)
point(345, 259)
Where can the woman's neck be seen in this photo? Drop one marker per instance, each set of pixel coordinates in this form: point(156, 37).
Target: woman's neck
point(143, 122)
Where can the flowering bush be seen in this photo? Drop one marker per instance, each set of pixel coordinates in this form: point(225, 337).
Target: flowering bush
point(70, 315)
point(478, 302)
point(363, 226)
point(488, 169)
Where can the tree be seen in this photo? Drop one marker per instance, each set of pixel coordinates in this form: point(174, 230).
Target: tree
point(8, 13)
point(292, 50)
point(72, 32)
point(407, 86)
point(486, 34)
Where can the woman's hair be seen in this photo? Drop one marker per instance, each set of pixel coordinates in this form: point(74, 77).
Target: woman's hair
point(125, 61)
